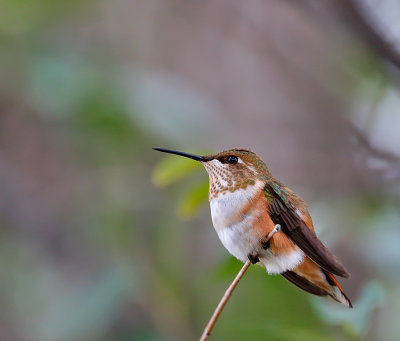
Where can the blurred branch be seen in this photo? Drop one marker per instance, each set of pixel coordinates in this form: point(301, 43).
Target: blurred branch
point(362, 137)
point(374, 151)
point(266, 44)
point(365, 27)
point(392, 170)
point(228, 293)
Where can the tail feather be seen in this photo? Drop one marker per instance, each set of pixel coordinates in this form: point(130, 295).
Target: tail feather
point(337, 292)
point(303, 283)
point(327, 285)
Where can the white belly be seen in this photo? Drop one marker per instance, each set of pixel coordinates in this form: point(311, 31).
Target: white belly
point(275, 264)
point(238, 239)
point(236, 236)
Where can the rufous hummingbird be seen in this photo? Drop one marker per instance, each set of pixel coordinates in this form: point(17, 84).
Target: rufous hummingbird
point(248, 205)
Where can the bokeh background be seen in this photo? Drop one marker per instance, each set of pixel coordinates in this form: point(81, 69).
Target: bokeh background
point(102, 238)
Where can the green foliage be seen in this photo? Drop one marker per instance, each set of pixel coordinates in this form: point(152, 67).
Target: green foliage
point(18, 17)
point(172, 169)
point(356, 321)
point(194, 198)
point(101, 114)
point(371, 81)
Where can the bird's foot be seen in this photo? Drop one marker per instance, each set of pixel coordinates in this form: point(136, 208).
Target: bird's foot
point(253, 258)
point(265, 242)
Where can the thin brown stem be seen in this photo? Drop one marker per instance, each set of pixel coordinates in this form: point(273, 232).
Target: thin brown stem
point(221, 304)
point(228, 293)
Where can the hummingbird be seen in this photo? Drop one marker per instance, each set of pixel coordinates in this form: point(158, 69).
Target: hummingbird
point(248, 205)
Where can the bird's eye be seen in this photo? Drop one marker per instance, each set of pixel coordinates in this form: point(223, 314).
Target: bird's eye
point(232, 159)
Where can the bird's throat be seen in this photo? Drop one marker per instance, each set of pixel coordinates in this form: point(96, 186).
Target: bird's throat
point(223, 181)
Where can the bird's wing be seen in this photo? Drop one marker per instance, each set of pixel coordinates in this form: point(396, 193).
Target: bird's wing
point(284, 213)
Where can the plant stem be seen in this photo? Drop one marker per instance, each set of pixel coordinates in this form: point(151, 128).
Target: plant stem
point(224, 300)
point(229, 291)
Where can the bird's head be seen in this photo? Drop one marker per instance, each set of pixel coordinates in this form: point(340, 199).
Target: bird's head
point(231, 169)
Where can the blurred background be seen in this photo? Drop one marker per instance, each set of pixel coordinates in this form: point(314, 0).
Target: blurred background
point(102, 238)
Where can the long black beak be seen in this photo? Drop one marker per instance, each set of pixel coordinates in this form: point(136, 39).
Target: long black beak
point(191, 156)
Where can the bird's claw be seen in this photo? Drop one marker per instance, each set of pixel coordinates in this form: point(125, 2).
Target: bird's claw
point(253, 259)
point(265, 242)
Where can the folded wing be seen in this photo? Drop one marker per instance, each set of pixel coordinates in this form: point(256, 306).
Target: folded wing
point(283, 213)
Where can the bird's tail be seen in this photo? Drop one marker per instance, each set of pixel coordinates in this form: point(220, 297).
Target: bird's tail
point(337, 292)
point(313, 279)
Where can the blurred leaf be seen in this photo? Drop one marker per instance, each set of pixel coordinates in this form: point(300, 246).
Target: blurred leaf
point(53, 305)
point(142, 336)
point(172, 169)
point(354, 321)
point(101, 114)
point(193, 199)
point(20, 17)
point(115, 228)
point(371, 80)
point(59, 84)
point(229, 266)
point(298, 334)
point(98, 301)
point(365, 62)
point(280, 332)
